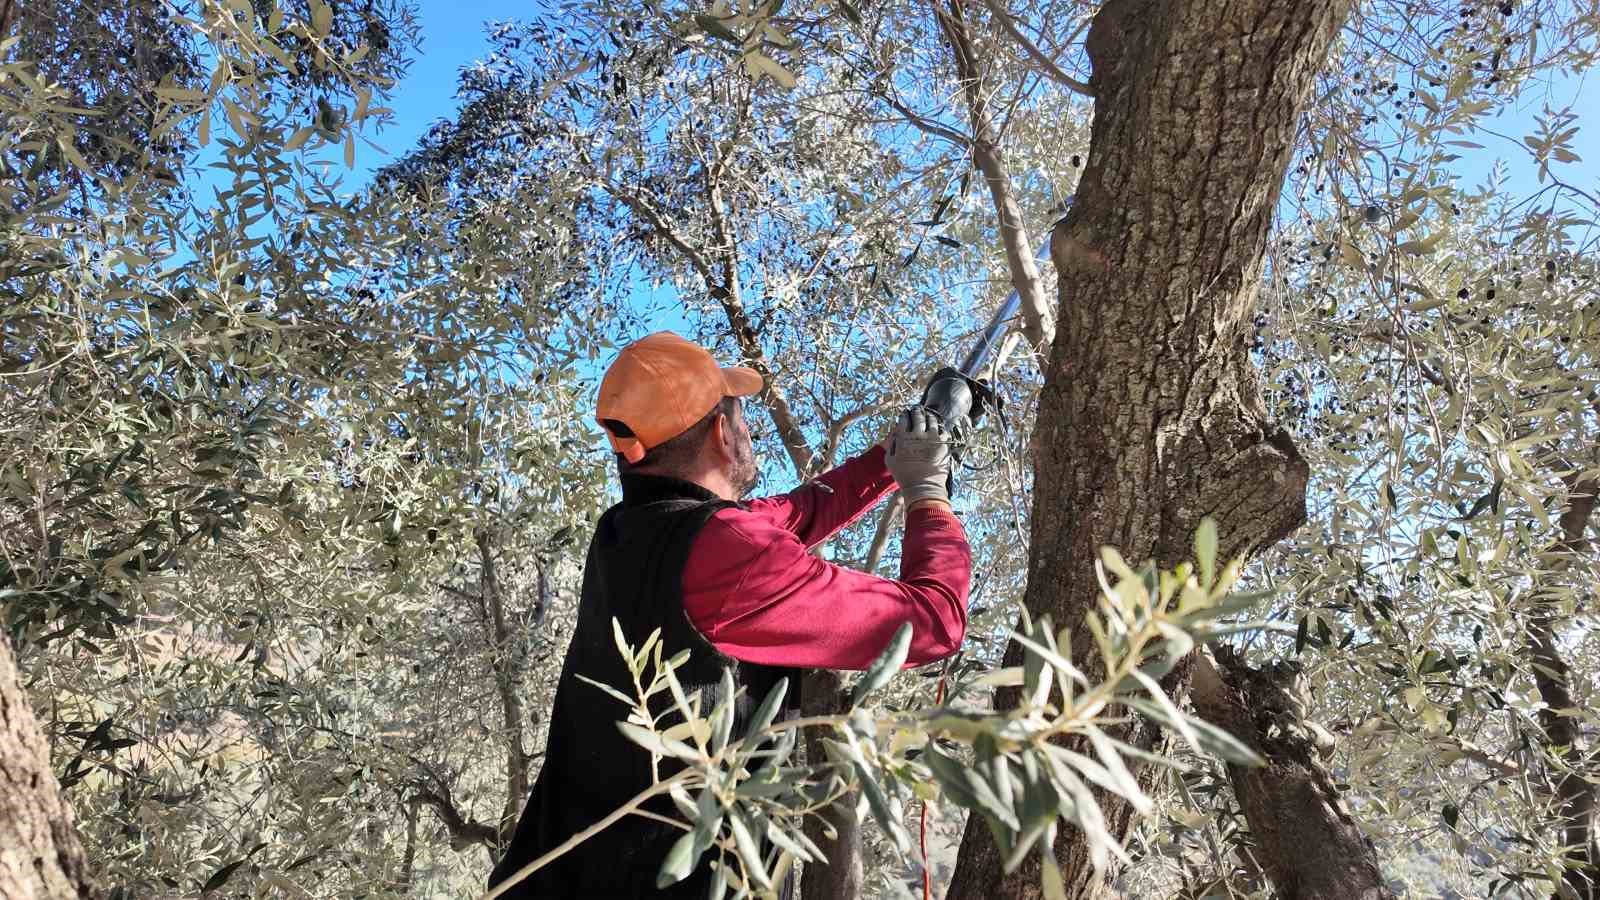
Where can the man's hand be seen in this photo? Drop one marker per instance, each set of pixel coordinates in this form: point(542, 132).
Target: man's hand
point(919, 457)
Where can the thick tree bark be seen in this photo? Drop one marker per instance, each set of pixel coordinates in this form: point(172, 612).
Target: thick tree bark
point(822, 694)
point(1151, 417)
point(40, 856)
point(1306, 840)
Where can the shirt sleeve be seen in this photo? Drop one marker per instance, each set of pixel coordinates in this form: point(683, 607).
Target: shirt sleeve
point(752, 589)
point(815, 513)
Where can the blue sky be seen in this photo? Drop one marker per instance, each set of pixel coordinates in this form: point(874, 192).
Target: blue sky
point(453, 37)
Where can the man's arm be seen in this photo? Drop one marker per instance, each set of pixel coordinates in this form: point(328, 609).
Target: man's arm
point(815, 513)
point(752, 589)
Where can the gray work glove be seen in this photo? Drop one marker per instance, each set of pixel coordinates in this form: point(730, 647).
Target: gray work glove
point(919, 456)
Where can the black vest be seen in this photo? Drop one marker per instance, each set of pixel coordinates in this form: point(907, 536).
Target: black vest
point(633, 572)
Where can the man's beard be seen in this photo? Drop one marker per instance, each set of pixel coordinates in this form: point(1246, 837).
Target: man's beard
point(744, 472)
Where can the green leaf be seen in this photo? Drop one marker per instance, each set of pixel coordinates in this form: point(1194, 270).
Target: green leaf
point(655, 743)
point(882, 811)
point(1205, 551)
point(221, 876)
point(768, 710)
point(885, 666)
point(749, 850)
point(1207, 738)
point(1053, 658)
point(1034, 685)
point(757, 64)
point(1169, 711)
point(1012, 676)
point(608, 689)
point(622, 643)
point(1050, 878)
point(321, 17)
point(970, 789)
point(719, 882)
point(679, 698)
point(950, 776)
point(1086, 814)
point(1127, 785)
point(796, 844)
point(713, 26)
point(679, 862)
point(722, 716)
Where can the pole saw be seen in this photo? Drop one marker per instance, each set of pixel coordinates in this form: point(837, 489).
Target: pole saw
point(959, 396)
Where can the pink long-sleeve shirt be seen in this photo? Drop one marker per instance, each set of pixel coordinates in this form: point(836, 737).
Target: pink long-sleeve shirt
point(753, 589)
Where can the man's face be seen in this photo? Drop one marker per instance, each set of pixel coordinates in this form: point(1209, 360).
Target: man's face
point(743, 467)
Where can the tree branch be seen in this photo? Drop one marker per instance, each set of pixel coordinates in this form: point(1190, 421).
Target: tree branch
point(723, 286)
point(728, 294)
point(1046, 64)
point(830, 444)
point(659, 224)
point(1574, 794)
point(1310, 846)
point(880, 535)
point(925, 124)
point(1038, 324)
point(505, 683)
point(8, 11)
point(464, 832)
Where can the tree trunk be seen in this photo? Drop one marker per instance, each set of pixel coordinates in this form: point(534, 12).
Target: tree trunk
point(1151, 416)
point(505, 680)
point(40, 856)
point(1306, 840)
point(842, 876)
point(1574, 793)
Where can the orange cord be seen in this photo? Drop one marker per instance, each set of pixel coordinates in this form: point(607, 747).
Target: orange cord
point(927, 877)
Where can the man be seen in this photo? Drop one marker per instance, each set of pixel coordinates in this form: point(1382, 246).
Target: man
point(732, 582)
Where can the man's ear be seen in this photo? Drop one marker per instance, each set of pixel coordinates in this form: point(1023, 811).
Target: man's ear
point(722, 436)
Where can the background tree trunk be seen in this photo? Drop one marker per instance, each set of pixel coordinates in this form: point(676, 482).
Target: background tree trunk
point(40, 856)
point(842, 876)
point(1574, 792)
point(505, 678)
point(1304, 837)
point(1151, 416)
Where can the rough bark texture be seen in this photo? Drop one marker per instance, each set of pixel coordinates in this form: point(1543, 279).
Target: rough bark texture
point(822, 694)
point(40, 856)
point(1151, 416)
point(1574, 794)
point(1306, 840)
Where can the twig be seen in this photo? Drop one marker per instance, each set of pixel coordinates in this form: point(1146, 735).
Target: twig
point(639, 799)
point(1046, 64)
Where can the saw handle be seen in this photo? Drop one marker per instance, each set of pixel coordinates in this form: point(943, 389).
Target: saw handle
point(958, 401)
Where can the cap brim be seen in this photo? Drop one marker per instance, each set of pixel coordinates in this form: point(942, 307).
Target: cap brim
point(739, 381)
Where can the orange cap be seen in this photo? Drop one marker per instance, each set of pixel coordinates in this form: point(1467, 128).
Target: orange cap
point(659, 386)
